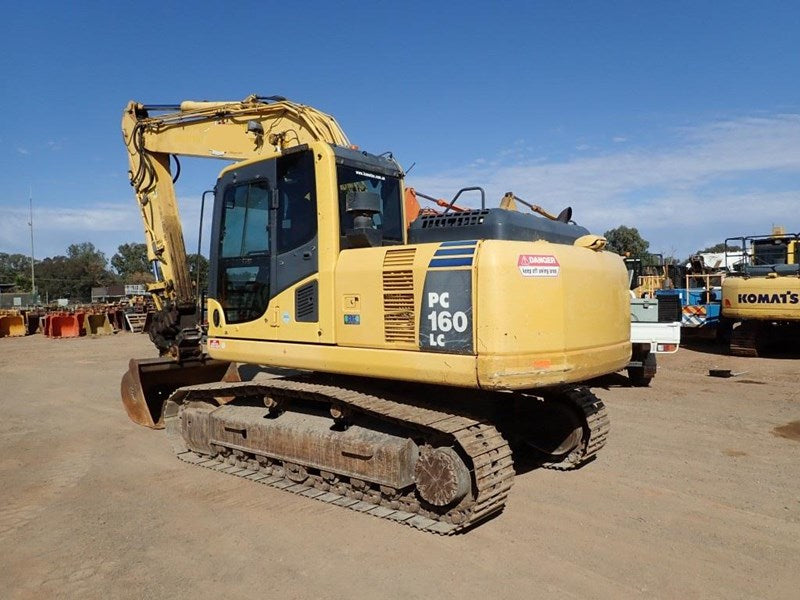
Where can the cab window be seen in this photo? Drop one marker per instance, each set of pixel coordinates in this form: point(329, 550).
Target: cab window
point(390, 219)
point(244, 252)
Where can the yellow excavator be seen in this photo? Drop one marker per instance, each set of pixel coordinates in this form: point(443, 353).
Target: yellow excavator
point(761, 297)
point(420, 365)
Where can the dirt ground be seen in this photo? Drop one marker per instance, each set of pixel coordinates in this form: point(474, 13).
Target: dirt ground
point(697, 495)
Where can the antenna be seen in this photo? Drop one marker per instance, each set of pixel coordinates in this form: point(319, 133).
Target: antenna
point(30, 224)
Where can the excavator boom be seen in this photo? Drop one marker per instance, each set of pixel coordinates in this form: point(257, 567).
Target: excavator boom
point(155, 135)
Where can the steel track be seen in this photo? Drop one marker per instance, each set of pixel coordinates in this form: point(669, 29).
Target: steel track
point(744, 339)
point(491, 468)
point(596, 428)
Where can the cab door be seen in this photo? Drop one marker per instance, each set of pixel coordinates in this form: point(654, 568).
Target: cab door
point(242, 242)
point(264, 252)
point(294, 308)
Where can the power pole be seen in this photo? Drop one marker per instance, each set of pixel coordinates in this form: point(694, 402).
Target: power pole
point(30, 224)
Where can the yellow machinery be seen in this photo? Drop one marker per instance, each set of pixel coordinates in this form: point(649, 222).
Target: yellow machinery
point(421, 357)
point(12, 324)
point(761, 299)
point(648, 276)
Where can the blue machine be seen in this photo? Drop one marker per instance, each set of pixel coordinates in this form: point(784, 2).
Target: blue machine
point(700, 307)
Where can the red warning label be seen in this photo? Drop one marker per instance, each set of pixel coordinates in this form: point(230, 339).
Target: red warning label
point(538, 265)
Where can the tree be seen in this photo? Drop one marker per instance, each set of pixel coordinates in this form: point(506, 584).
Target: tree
point(74, 275)
point(195, 261)
point(16, 269)
point(721, 247)
point(89, 267)
point(52, 279)
point(131, 264)
point(627, 241)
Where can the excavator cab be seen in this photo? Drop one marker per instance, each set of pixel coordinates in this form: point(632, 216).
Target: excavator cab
point(265, 239)
point(775, 250)
point(761, 255)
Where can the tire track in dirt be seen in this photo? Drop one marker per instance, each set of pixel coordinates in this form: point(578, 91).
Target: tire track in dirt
point(27, 501)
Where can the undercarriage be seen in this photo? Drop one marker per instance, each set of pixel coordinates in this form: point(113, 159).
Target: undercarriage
point(755, 337)
point(357, 444)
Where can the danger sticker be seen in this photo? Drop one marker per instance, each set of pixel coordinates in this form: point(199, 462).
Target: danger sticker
point(216, 344)
point(538, 265)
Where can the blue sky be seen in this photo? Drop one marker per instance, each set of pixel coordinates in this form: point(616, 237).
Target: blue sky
point(681, 119)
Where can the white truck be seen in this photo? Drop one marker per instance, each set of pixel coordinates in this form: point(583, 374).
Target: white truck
point(655, 329)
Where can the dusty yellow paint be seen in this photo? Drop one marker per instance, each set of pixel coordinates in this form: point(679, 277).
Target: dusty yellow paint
point(782, 295)
point(528, 332)
point(771, 297)
point(533, 331)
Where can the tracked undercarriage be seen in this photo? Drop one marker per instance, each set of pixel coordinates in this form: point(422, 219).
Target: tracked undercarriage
point(745, 339)
point(357, 445)
point(755, 338)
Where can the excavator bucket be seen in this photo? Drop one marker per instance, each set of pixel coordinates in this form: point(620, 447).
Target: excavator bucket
point(16, 326)
point(149, 382)
point(47, 325)
point(148, 321)
point(98, 324)
point(32, 321)
point(67, 325)
point(117, 319)
point(12, 326)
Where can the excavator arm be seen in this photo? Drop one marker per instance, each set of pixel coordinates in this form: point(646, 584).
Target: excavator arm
point(256, 127)
point(155, 135)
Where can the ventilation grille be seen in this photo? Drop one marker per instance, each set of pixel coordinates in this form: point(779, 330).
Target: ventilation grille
point(462, 219)
point(305, 303)
point(401, 258)
point(399, 316)
point(669, 308)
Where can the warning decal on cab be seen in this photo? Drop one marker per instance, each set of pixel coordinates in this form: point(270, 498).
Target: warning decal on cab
point(538, 265)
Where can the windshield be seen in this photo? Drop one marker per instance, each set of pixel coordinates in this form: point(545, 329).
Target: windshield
point(390, 219)
point(770, 252)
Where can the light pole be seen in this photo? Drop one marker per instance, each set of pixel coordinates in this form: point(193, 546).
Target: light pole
point(30, 224)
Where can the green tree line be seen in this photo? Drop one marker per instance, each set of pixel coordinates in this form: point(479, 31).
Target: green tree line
point(627, 241)
point(83, 267)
